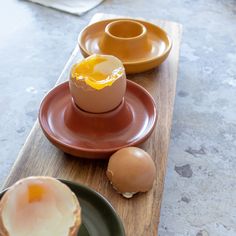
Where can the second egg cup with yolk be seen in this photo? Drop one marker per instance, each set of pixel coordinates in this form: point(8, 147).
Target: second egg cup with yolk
point(98, 83)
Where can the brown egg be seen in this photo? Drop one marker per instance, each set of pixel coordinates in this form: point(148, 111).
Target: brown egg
point(39, 206)
point(98, 83)
point(131, 170)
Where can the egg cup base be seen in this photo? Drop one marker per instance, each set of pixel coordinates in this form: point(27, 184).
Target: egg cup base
point(97, 136)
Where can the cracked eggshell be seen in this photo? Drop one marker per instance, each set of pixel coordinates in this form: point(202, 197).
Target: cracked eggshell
point(39, 206)
point(99, 100)
point(131, 170)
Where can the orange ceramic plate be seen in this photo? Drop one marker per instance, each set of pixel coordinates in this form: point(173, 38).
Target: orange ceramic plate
point(92, 135)
point(140, 45)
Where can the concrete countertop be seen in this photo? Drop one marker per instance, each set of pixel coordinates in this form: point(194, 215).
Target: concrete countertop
point(200, 187)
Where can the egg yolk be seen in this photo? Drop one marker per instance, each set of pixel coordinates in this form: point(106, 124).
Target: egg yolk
point(86, 70)
point(35, 193)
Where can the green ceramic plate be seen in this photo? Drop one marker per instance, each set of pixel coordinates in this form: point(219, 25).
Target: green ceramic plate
point(98, 216)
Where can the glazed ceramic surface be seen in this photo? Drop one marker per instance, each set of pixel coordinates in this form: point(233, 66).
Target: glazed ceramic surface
point(139, 44)
point(92, 135)
point(98, 216)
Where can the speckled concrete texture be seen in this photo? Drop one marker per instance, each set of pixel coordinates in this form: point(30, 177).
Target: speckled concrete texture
point(200, 187)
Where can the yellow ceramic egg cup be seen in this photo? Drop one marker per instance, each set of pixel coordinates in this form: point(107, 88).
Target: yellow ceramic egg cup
point(140, 45)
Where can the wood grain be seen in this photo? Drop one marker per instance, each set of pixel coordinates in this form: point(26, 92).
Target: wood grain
point(140, 214)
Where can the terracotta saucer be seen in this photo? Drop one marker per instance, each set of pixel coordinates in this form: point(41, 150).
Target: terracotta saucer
point(91, 135)
point(140, 45)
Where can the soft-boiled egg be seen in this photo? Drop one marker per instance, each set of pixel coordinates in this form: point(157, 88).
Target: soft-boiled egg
point(131, 170)
point(98, 83)
point(39, 206)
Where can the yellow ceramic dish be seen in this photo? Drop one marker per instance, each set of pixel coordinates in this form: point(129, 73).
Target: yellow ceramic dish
point(140, 45)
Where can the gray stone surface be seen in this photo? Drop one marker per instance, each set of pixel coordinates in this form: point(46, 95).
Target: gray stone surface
point(200, 187)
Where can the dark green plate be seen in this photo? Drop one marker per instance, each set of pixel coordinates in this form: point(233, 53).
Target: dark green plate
point(98, 216)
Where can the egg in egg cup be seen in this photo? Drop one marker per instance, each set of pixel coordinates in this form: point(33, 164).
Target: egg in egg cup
point(98, 83)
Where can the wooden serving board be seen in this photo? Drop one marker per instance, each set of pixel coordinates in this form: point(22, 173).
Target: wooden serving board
point(140, 214)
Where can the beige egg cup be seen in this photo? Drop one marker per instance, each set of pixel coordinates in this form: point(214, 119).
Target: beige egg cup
point(140, 45)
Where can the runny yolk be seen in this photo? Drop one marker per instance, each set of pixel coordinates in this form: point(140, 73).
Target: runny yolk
point(35, 193)
point(97, 80)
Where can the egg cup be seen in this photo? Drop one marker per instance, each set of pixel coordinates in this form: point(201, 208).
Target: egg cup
point(140, 45)
point(92, 204)
point(125, 39)
point(97, 135)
